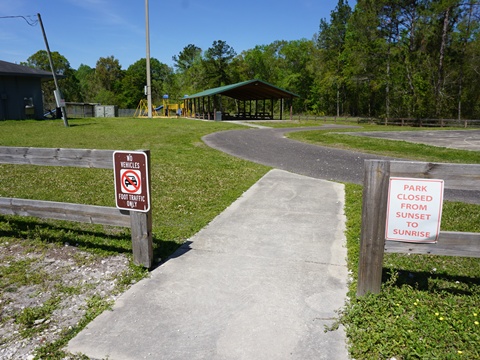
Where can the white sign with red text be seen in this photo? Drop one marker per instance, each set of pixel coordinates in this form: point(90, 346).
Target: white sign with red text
point(414, 210)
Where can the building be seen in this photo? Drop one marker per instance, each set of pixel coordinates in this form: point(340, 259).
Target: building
point(21, 91)
point(250, 100)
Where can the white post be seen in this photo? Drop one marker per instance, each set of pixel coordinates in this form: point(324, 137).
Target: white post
point(149, 80)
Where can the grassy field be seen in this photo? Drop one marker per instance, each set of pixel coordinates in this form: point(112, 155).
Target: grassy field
point(428, 307)
point(191, 183)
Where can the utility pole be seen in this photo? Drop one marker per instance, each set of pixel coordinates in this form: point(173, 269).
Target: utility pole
point(149, 79)
point(58, 93)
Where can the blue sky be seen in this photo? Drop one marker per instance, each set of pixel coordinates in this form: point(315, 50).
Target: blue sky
point(85, 30)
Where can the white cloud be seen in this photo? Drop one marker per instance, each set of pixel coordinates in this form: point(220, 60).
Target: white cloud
point(106, 12)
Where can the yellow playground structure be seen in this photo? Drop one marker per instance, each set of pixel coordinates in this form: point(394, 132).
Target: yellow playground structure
point(164, 110)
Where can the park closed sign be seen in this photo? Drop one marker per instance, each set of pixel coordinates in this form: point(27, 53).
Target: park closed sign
point(132, 189)
point(414, 210)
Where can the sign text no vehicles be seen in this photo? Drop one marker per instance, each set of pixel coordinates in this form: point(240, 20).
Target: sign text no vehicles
point(132, 190)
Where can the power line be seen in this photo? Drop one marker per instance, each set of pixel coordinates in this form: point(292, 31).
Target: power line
point(31, 20)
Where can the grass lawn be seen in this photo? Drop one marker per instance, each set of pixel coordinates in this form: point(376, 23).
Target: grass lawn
point(191, 183)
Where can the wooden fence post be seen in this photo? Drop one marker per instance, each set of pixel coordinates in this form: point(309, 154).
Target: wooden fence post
point(142, 246)
point(372, 239)
point(141, 229)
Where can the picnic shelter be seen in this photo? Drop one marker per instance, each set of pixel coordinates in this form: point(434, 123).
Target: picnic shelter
point(248, 100)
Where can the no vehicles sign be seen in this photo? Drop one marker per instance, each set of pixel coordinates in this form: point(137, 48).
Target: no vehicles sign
point(132, 190)
point(414, 210)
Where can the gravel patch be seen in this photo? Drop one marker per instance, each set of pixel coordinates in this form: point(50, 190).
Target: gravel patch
point(63, 281)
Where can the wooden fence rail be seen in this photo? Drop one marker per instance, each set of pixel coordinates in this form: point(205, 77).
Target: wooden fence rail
point(417, 122)
point(374, 212)
point(140, 223)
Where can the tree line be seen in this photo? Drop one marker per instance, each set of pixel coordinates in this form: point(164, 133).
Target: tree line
point(383, 59)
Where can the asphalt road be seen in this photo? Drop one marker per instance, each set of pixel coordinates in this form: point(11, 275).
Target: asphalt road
point(453, 139)
point(270, 147)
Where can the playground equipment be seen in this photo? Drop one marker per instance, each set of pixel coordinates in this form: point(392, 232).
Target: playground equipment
point(142, 109)
point(164, 110)
point(169, 109)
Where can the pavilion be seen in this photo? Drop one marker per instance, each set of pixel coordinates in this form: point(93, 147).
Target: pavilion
point(247, 100)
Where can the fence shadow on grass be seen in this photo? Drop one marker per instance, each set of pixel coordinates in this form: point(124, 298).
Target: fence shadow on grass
point(90, 237)
point(432, 282)
point(83, 124)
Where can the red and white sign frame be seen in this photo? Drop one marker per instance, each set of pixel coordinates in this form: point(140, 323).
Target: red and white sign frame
point(414, 210)
point(132, 190)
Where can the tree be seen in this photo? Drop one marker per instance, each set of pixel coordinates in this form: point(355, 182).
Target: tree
point(88, 84)
point(190, 70)
point(108, 72)
point(187, 58)
point(469, 67)
point(364, 58)
point(135, 79)
point(331, 42)
point(261, 62)
point(69, 85)
point(216, 63)
point(295, 74)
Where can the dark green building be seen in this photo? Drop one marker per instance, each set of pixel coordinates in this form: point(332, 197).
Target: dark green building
point(21, 91)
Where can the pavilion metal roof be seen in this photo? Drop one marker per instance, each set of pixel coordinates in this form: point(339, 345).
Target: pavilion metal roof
point(248, 90)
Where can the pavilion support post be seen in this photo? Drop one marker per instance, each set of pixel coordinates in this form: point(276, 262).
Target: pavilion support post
point(291, 109)
point(281, 109)
point(208, 108)
point(271, 108)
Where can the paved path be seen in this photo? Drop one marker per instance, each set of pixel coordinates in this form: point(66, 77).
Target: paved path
point(453, 139)
point(270, 147)
point(260, 282)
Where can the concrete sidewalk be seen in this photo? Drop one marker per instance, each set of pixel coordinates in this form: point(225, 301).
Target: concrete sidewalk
point(261, 281)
